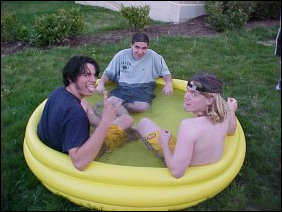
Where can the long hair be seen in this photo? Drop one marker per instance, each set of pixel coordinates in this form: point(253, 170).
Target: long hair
point(217, 111)
point(211, 87)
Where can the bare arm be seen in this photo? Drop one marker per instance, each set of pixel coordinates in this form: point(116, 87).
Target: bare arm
point(178, 161)
point(168, 88)
point(103, 81)
point(83, 155)
point(232, 104)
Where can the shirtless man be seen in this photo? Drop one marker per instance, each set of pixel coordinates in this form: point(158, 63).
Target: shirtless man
point(201, 139)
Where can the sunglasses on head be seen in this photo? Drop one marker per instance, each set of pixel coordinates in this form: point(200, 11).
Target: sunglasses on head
point(195, 85)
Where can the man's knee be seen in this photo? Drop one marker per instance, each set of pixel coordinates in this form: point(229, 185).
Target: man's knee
point(115, 100)
point(128, 120)
point(138, 106)
point(144, 106)
point(124, 121)
point(143, 122)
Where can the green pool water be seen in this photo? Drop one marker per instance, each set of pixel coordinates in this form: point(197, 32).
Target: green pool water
point(166, 111)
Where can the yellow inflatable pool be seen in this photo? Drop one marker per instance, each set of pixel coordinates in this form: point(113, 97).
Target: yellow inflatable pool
point(105, 186)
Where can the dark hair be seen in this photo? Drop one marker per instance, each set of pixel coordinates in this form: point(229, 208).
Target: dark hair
point(209, 82)
point(76, 66)
point(140, 37)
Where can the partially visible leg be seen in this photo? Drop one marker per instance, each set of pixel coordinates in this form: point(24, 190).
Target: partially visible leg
point(117, 134)
point(122, 110)
point(137, 106)
point(124, 121)
point(147, 126)
point(149, 131)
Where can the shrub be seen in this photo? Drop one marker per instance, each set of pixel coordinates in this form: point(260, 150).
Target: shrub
point(266, 10)
point(215, 15)
point(8, 27)
point(228, 15)
point(11, 30)
point(73, 20)
point(23, 33)
point(138, 16)
point(53, 28)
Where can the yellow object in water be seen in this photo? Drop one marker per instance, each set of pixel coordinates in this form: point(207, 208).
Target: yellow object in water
point(115, 187)
point(153, 140)
point(115, 137)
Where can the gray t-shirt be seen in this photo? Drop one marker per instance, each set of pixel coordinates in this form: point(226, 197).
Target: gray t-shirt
point(125, 69)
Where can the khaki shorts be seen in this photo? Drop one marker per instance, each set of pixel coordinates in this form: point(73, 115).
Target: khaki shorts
point(153, 140)
point(115, 137)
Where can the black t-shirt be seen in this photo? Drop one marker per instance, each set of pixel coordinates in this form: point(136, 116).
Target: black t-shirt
point(64, 123)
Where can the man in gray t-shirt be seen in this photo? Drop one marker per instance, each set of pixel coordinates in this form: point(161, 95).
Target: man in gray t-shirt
point(135, 71)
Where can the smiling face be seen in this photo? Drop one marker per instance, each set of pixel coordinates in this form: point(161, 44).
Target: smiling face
point(195, 102)
point(139, 49)
point(84, 85)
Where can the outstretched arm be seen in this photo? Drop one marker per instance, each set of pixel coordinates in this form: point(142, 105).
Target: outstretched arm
point(168, 88)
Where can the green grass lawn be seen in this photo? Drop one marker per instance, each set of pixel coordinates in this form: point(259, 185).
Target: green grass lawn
point(248, 70)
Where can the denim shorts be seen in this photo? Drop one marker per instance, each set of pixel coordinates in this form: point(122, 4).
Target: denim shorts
point(142, 93)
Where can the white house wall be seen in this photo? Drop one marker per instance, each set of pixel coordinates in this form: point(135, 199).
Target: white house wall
point(166, 11)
